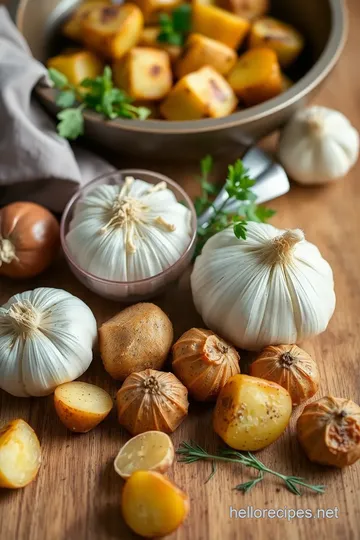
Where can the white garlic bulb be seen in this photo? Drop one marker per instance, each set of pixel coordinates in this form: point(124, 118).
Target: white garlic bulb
point(129, 232)
point(46, 339)
point(318, 145)
point(274, 287)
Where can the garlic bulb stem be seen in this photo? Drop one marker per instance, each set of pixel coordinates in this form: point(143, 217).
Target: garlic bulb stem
point(7, 251)
point(284, 244)
point(316, 123)
point(24, 317)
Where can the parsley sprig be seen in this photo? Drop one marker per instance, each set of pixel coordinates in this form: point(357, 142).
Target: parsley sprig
point(190, 452)
point(98, 94)
point(175, 27)
point(238, 186)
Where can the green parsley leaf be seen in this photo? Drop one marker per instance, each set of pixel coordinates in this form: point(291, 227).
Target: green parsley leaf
point(59, 79)
point(71, 124)
point(240, 229)
point(181, 18)
point(66, 99)
point(175, 28)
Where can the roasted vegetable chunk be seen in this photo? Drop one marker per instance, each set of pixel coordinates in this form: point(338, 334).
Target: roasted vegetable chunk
point(77, 66)
point(219, 24)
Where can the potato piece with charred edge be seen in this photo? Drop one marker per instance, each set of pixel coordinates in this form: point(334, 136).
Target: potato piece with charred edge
point(145, 74)
point(148, 38)
point(256, 77)
point(282, 38)
point(81, 406)
point(152, 8)
point(72, 28)
point(20, 454)
point(219, 24)
point(113, 30)
point(203, 51)
point(249, 9)
point(77, 66)
point(202, 94)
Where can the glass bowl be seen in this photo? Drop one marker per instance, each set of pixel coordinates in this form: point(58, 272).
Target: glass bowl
point(129, 291)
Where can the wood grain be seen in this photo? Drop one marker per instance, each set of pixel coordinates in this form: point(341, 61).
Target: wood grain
point(76, 495)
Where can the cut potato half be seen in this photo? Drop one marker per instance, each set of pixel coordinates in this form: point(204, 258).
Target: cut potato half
point(81, 406)
point(150, 451)
point(20, 454)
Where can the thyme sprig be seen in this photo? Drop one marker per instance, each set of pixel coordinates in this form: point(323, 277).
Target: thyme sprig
point(191, 452)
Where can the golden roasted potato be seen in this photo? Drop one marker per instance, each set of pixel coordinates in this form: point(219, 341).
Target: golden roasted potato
point(203, 51)
point(256, 76)
point(112, 30)
point(145, 73)
point(77, 66)
point(20, 454)
point(152, 8)
point(251, 413)
point(249, 9)
point(72, 27)
point(204, 93)
point(206, 2)
point(149, 39)
point(282, 38)
point(219, 24)
point(81, 406)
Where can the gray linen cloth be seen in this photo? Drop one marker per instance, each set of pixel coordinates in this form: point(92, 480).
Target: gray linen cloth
point(35, 163)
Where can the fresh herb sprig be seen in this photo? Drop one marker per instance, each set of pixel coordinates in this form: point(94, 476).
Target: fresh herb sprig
point(238, 186)
point(190, 452)
point(98, 94)
point(175, 27)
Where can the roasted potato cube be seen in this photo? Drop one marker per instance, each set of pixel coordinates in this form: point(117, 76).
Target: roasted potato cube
point(204, 93)
point(145, 74)
point(284, 39)
point(203, 51)
point(113, 30)
point(77, 66)
point(72, 27)
point(152, 8)
point(219, 24)
point(249, 9)
point(206, 2)
point(256, 76)
point(149, 39)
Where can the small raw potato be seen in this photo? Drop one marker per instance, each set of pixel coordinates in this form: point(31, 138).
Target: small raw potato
point(145, 74)
point(137, 338)
point(113, 30)
point(152, 8)
point(201, 51)
point(251, 413)
point(149, 451)
point(149, 39)
point(72, 28)
point(202, 94)
point(219, 24)
point(284, 39)
point(81, 406)
point(249, 9)
point(20, 454)
point(152, 506)
point(77, 66)
point(256, 77)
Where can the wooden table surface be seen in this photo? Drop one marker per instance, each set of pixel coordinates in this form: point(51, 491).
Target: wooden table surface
point(76, 494)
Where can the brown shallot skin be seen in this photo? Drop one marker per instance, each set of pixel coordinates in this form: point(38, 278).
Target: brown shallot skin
point(152, 400)
point(204, 363)
point(291, 367)
point(29, 239)
point(329, 431)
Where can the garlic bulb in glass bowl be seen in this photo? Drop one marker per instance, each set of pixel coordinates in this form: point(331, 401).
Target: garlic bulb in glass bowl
point(274, 287)
point(128, 234)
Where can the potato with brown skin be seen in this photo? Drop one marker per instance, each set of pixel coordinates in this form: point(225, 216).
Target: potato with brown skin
point(256, 77)
point(282, 38)
point(137, 338)
point(145, 74)
point(113, 30)
point(20, 454)
point(219, 24)
point(152, 8)
point(77, 66)
point(251, 413)
point(249, 9)
point(202, 94)
point(201, 51)
point(149, 37)
point(81, 406)
point(72, 28)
